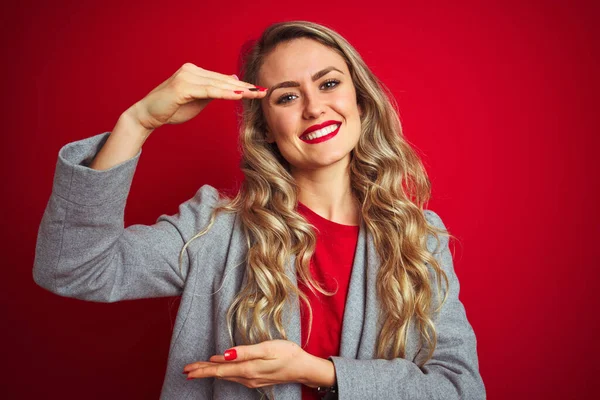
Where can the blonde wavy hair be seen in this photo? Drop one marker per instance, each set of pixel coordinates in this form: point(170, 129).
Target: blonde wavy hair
point(389, 182)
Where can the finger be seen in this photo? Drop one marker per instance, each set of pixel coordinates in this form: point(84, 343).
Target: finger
point(226, 85)
point(220, 371)
point(188, 78)
point(218, 359)
point(231, 79)
point(218, 90)
point(215, 75)
point(248, 352)
point(217, 83)
point(194, 91)
point(248, 94)
point(194, 366)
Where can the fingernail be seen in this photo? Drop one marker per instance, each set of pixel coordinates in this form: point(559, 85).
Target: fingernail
point(236, 77)
point(184, 372)
point(262, 89)
point(230, 354)
point(189, 378)
point(238, 91)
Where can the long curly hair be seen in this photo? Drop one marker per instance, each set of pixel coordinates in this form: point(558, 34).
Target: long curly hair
point(388, 180)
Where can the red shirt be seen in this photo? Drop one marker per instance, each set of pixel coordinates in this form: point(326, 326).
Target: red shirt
point(332, 262)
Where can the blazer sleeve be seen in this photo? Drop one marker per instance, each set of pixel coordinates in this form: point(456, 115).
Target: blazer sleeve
point(83, 250)
point(452, 372)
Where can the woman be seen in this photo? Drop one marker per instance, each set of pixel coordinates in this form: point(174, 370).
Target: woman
point(328, 226)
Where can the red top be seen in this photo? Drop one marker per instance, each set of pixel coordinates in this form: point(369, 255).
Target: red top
point(331, 262)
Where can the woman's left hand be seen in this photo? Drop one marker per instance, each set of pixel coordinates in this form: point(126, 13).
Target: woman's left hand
point(263, 364)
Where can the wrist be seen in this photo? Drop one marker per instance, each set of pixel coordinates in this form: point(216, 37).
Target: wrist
point(135, 116)
point(318, 372)
point(123, 143)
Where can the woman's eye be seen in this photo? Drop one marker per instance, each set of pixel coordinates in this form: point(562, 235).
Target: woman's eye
point(331, 83)
point(288, 97)
point(285, 98)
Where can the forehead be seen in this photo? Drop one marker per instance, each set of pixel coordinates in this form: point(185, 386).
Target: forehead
point(297, 59)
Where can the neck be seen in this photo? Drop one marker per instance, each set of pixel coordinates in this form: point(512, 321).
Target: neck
point(327, 192)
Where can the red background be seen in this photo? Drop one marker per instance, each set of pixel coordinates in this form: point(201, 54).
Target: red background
point(500, 100)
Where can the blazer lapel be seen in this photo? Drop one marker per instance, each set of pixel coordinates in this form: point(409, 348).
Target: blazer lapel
point(291, 391)
point(361, 313)
point(354, 310)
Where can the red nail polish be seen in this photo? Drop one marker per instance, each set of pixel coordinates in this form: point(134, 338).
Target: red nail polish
point(230, 354)
point(238, 91)
point(185, 372)
point(189, 378)
point(262, 89)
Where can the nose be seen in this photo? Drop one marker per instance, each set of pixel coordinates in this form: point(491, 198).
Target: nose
point(313, 106)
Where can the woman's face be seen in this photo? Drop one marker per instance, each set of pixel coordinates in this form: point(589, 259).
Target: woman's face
point(310, 108)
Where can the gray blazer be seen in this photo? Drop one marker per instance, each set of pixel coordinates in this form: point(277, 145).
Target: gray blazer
point(84, 251)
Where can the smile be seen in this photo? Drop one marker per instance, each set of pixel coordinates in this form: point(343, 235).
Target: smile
point(321, 135)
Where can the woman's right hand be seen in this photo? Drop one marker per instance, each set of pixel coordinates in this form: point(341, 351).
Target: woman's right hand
point(186, 93)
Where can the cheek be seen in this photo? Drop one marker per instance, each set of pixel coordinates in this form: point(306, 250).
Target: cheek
point(275, 123)
point(285, 125)
point(346, 104)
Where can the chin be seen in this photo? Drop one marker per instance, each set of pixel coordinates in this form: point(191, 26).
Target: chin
point(333, 159)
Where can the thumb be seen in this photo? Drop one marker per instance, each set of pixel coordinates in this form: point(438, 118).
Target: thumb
point(230, 354)
point(248, 352)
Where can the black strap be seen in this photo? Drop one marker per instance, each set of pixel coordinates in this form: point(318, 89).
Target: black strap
point(328, 392)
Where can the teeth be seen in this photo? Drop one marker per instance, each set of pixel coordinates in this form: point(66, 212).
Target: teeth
point(321, 132)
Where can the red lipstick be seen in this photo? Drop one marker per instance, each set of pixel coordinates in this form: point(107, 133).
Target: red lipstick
point(305, 136)
point(319, 126)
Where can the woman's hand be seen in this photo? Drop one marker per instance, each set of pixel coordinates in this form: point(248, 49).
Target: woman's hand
point(267, 363)
point(186, 93)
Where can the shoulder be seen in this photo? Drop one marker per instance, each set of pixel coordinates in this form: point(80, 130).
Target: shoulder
point(196, 213)
point(435, 243)
point(206, 200)
point(209, 197)
point(201, 204)
point(434, 219)
point(207, 194)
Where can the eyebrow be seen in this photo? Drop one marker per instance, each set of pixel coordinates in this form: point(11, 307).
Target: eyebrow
point(288, 84)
